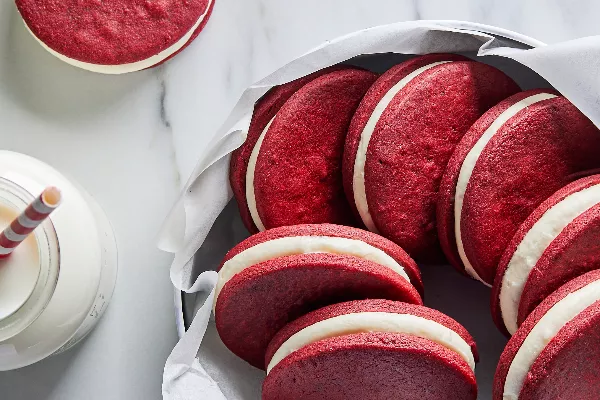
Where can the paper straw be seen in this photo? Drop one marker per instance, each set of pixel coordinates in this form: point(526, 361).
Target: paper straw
point(31, 218)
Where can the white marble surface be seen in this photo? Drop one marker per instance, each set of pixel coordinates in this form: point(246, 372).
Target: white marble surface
point(131, 140)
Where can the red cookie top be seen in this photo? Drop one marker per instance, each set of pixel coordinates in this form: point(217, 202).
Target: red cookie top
point(575, 251)
point(510, 179)
point(297, 176)
point(330, 230)
point(374, 305)
point(264, 110)
point(413, 139)
point(112, 32)
point(568, 362)
point(374, 366)
point(260, 300)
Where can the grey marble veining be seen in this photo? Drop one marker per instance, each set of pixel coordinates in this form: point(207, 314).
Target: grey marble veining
point(133, 140)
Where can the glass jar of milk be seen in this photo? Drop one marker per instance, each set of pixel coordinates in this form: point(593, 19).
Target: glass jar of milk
point(56, 285)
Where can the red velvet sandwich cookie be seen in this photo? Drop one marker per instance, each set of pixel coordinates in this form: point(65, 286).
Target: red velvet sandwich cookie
point(293, 175)
point(401, 138)
point(276, 276)
point(115, 36)
point(264, 110)
point(559, 241)
point(371, 349)
point(555, 353)
point(512, 159)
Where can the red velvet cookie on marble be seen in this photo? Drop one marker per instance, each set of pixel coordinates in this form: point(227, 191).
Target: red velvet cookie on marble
point(293, 174)
point(279, 275)
point(371, 349)
point(115, 36)
point(513, 158)
point(264, 110)
point(401, 138)
point(555, 354)
point(559, 241)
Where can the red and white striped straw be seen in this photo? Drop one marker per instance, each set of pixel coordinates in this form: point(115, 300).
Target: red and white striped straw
point(31, 218)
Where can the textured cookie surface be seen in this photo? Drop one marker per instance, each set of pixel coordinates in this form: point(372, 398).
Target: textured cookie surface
point(573, 250)
point(568, 364)
point(371, 366)
point(264, 110)
point(541, 149)
point(446, 198)
point(411, 142)
point(569, 367)
point(297, 175)
point(369, 103)
point(112, 32)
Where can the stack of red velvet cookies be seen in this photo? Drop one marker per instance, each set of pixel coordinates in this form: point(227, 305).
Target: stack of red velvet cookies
point(441, 156)
point(333, 312)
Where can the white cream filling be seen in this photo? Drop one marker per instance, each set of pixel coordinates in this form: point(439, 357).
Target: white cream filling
point(468, 165)
point(375, 322)
point(358, 177)
point(293, 245)
point(250, 196)
point(533, 245)
point(130, 67)
point(543, 332)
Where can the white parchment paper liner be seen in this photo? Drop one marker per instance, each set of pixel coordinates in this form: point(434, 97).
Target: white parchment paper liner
point(572, 67)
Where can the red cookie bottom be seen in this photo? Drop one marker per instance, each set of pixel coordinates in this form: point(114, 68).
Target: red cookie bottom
point(371, 366)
